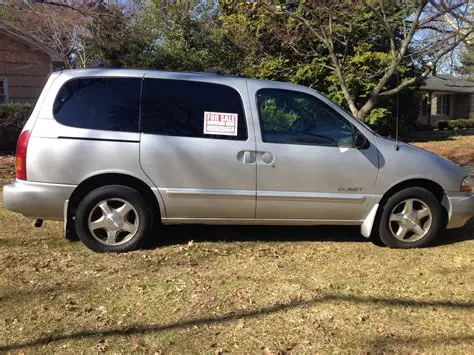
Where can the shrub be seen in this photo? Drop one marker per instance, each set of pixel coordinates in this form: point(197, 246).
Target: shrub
point(442, 125)
point(456, 124)
point(461, 123)
point(12, 120)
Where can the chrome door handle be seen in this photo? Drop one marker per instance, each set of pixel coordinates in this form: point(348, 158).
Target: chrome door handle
point(246, 157)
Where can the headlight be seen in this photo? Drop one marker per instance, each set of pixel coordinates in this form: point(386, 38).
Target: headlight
point(467, 184)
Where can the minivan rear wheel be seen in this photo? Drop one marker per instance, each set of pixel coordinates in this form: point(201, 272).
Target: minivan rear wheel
point(411, 218)
point(113, 218)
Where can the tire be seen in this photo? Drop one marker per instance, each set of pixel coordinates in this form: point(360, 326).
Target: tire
point(113, 218)
point(396, 219)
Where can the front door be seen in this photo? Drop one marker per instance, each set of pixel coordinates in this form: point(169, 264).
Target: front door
point(307, 166)
point(195, 146)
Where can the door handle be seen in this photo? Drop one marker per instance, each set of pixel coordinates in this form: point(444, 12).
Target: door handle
point(262, 158)
point(246, 157)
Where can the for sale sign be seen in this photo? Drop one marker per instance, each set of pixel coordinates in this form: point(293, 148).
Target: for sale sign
point(220, 123)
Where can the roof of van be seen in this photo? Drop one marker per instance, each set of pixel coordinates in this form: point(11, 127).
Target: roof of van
point(108, 70)
point(173, 74)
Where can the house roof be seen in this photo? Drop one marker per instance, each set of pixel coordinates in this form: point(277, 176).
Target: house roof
point(447, 83)
point(53, 55)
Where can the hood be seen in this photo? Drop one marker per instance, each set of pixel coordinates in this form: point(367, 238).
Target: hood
point(411, 162)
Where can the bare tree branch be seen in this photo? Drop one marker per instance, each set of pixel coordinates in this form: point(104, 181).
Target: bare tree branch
point(429, 68)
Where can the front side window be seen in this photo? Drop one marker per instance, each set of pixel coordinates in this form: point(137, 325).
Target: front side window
point(111, 104)
point(297, 118)
point(192, 109)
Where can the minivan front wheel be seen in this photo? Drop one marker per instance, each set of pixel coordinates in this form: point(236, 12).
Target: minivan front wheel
point(113, 218)
point(411, 218)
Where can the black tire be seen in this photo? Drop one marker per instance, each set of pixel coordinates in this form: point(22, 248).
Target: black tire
point(418, 193)
point(90, 201)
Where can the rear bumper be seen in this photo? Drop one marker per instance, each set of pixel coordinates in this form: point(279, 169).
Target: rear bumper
point(462, 209)
point(38, 200)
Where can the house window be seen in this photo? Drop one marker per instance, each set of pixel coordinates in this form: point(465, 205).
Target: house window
point(424, 107)
point(442, 105)
point(3, 91)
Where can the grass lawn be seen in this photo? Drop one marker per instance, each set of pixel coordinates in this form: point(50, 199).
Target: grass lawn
point(237, 289)
point(458, 149)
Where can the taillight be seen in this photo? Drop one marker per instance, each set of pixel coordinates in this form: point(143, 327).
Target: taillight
point(21, 148)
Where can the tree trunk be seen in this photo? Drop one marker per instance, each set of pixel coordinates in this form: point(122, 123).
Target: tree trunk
point(365, 110)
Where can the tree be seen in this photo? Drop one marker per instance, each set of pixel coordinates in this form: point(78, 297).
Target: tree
point(467, 62)
point(83, 32)
point(371, 49)
point(184, 36)
point(113, 37)
point(54, 26)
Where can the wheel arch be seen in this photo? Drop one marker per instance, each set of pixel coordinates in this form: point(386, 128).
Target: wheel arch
point(105, 179)
point(430, 185)
point(374, 215)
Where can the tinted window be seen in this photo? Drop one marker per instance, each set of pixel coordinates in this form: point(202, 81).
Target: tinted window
point(99, 103)
point(180, 108)
point(299, 118)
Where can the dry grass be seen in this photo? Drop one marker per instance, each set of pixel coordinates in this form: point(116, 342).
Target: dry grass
point(234, 289)
point(459, 149)
point(7, 172)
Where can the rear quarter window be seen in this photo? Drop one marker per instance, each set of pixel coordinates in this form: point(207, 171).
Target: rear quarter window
point(111, 104)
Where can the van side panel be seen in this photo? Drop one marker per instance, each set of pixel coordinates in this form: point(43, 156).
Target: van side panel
point(69, 155)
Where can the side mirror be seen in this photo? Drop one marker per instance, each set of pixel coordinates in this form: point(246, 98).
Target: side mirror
point(360, 141)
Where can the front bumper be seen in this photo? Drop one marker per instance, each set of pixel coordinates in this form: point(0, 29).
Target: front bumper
point(461, 210)
point(37, 199)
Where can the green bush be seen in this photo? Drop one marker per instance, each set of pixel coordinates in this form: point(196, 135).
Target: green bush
point(461, 123)
point(12, 120)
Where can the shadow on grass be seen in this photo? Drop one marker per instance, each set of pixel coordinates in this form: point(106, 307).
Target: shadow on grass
point(179, 234)
point(384, 345)
point(453, 236)
point(229, 317)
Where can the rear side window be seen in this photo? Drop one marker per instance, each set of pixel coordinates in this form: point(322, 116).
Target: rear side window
point(111, 104)
point(192, 109)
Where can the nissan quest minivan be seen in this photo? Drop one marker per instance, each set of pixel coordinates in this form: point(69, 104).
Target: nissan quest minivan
point(111, 152)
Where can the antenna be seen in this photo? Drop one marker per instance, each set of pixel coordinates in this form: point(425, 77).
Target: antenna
point(397, 118)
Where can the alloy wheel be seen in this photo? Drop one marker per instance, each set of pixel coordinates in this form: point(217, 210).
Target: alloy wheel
point(113, 221)
point(410, 220)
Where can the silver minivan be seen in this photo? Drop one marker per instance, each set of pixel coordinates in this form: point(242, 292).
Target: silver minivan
point(112, 152)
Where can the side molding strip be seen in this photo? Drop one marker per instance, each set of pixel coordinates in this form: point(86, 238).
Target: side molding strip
point(310, 196)
point(265, 195)
point(209, 193)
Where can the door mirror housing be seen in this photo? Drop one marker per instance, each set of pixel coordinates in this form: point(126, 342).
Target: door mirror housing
point(360, 141)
